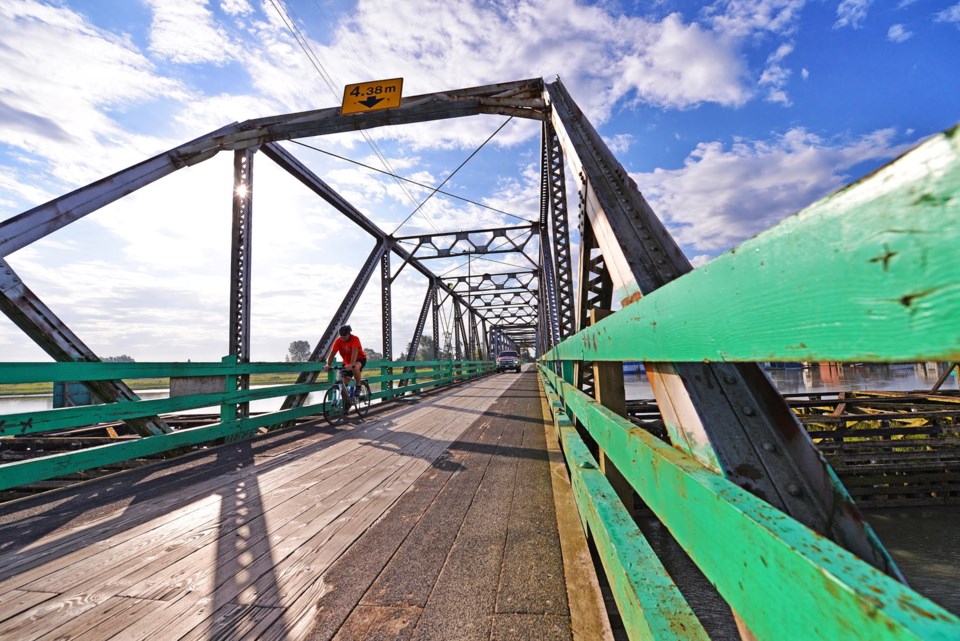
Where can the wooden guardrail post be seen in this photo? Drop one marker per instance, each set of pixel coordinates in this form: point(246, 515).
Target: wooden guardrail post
point(609, 392)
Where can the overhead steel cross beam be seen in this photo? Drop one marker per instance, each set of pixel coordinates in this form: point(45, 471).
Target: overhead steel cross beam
point(461, 243)
point(729, 416)
point(523, 99)
point(524, 280)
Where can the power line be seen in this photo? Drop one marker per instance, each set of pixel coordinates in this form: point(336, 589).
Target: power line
point(413, 182)
point(328, 80)
point(475, 151)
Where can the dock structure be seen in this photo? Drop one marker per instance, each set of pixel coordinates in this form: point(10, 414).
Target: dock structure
point(460, 506)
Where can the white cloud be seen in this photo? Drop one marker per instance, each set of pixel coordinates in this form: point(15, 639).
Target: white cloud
point(721, 195)
point(739, 18)
point(236, 7)
point(775, 76)
point(183, 31)
point(950, 14)
point(804, 73)
point(64, 86)
point(619, 143)
point(897, 33)
point(678, 65)
point(852, 13)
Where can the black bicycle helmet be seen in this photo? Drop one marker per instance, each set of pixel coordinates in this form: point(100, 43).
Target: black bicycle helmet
point(345, 330)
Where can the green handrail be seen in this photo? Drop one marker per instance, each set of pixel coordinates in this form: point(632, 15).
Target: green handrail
point(866, 274)
point(426, 375)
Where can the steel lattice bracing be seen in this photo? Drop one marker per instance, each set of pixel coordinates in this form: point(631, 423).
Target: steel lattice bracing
point(501, 240)
point(560, 245)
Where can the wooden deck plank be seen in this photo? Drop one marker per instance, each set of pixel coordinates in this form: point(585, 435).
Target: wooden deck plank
point(460, 559)
point(245, 551)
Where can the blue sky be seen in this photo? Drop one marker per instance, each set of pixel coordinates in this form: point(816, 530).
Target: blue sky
point(730, 115)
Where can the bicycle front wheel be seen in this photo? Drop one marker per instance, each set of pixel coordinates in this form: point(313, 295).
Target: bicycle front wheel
point(362, 398)
point(333, 407)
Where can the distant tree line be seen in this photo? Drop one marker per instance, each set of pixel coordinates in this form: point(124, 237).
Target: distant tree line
point(123, 358)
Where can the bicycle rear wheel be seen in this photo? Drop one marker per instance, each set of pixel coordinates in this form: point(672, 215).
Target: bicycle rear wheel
point(333, 406)
point(361, 398)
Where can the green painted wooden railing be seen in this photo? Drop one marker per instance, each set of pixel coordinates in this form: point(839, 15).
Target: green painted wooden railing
point(423, 375)
point(869, 273)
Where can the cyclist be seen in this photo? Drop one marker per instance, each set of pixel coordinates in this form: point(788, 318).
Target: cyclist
point(354, 358)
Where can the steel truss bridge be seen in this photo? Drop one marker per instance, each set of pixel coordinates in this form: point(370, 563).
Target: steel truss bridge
point(740, 485)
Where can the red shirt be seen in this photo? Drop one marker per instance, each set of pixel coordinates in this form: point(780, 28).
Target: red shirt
point(346, 347)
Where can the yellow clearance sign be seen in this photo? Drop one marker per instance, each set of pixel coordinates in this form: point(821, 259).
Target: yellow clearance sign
point(371, 96)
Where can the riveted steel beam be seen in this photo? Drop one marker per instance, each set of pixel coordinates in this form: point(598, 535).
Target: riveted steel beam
point(560, 245)
point(240, 267)
point(500, 240)
point(729, 416)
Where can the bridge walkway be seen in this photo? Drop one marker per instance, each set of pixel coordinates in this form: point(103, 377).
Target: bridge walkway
point(428, 520)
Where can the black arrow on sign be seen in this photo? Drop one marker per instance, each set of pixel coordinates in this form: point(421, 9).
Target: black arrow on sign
point(371, 101)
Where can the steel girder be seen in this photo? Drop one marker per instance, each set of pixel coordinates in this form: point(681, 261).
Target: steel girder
point(39, 322)
point(522, 99)
point(462, 243)
point(595, 291)
point(459, 330)
point(729, 416)
point(547, 281)
point(386, 323)
point(428, 304)
point(302, 173)
point(503, 298)
point(240, 268)
point(435, 315)
point(560, 247)
point(487, 282)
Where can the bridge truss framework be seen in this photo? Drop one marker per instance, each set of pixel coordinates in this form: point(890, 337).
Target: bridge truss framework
point(728, 416)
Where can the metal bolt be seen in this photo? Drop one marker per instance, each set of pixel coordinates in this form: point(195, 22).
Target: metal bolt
point(768, 446)
point(749, 411)
point(793, 489)
point(729, 380)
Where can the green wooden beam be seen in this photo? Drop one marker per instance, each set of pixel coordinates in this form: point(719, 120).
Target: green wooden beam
point(71, 417)
point(869, 273)
point(650, 603)
point(782, 579)
point(47, 467)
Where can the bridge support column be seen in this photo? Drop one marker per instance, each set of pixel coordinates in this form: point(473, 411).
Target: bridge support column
point(240, 267)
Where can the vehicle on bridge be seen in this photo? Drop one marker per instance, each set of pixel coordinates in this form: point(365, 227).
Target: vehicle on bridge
point(508, 360)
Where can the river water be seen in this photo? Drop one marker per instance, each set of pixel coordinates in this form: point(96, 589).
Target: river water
point(924, 541)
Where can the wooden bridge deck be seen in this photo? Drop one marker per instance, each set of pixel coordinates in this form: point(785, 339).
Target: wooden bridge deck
point(432, 520)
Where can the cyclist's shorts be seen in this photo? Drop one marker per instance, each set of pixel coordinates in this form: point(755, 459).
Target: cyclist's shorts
point(362, 361)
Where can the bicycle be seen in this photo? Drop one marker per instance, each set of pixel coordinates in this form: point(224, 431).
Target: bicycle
point(337, 400)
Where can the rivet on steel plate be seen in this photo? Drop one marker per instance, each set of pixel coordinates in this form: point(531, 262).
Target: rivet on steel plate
point(749, 411)
point(793, 489)
point(768, 446)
